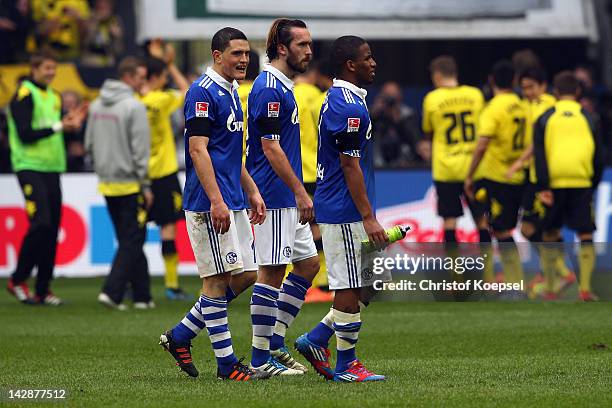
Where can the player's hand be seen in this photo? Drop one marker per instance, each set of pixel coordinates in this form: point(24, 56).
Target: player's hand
point(305, 207)
point(257, 213)
point(148, 198)
point(546, 197)
point(516, 166)
point(468, 186)
point(220, 217)
point(376, 233)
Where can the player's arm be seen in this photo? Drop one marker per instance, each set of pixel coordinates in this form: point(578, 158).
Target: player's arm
point(520, 162)
point(198, 130)
point(539, 130)
point(140, 146)
point(281, 166)
point(479, 152)
point(177, 76)
point(257, 213)
point(598, 155)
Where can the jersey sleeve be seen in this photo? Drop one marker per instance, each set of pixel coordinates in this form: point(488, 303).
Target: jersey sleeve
point(488, 123)
point(426, 123)
point(174, 99)
point(346, 124)
point(199, 112)
point(267, 111)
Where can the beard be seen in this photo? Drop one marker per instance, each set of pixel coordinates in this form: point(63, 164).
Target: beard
point(295, 65)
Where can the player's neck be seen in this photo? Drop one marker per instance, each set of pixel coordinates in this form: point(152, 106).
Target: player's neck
point(499, 91)
point(566, 98)
point(448, 83)
point(349, 78)
point(283, 67)
point(219, 71)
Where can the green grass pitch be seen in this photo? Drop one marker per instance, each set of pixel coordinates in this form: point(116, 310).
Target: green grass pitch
point(434, 354)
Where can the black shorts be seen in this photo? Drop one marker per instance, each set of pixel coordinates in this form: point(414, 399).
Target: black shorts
point(167, 200)
point(533, 209)
point(503, 202)
point(310, 188)
point(450, 195)
point(572, 207)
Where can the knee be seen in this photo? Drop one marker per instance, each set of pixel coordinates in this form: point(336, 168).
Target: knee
point(527, 230)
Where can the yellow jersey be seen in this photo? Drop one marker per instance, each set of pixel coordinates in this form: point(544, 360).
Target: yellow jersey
point(160, 105)
point(566, 147)
point(243, 93)
point(503, 120)
point(309, 100)
point(451, 116)
point(534, 109)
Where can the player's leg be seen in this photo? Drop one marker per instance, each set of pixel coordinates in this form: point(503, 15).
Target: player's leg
point(242, 281)
point(551, 223)
point(479, 208)
point(293, 292)
point(139, 277)
point(505, 202)
point(449, 207)
point(580, 218)
point(35, 194)
point(275, 239)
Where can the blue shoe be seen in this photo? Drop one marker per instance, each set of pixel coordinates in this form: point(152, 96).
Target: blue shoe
point(177, 294)
point(316, 355)
point(357, 372)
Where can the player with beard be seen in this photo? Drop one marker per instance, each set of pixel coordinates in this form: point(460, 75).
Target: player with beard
point(274, 161)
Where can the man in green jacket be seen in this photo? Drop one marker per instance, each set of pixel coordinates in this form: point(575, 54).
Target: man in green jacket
point(38, 157)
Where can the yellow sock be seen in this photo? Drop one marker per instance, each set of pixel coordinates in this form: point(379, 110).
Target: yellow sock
point(562, 268)
point(487, 254)
point(321, 278)
point(511, 262)
point(171, 275)
point(548, 261)
point(586, 262)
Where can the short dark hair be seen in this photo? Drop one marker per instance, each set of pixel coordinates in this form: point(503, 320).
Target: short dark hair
point(280, 33)
point(222, 38)
point(565, 83)
point(253, 67)
point(344, 49)
point(445, 65)
point(129, 65)
point(155, 67)
point(503, 74)
point(39, 57)
point(535, 73)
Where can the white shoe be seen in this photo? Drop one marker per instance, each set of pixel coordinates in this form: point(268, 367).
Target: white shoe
point(275, 368)
point(282, 356)
point(104, 299)
point(144, 305)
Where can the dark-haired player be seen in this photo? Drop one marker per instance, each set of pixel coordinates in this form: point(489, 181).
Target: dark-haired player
point(344, 204)
point(163, 166)
point(532, 82)
point(217, 222)
point(501, 140)
point(569, 166)
point(274, 161)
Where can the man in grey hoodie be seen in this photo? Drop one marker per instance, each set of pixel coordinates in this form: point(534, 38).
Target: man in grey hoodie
point(117, 137)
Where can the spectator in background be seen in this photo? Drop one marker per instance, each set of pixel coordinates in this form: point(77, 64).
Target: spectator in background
point(588, 94)
point(161, 102)
point(61, 24)
point(38, 158)
point(74, 140)
point(5, 152)
point(103, 41)
point(16, 25)
point(395, 128)
point(118, 138)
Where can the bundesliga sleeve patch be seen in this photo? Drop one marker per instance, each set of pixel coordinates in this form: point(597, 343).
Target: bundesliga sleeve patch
point(353, 125)
point(273, 109)
point(201, 109)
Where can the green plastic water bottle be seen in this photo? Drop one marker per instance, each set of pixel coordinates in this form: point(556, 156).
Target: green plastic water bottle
point(394, 234)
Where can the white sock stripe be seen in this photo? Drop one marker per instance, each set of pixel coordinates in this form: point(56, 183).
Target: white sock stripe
point(216, 322)
point(348, 335)
point(214, 338)
point(260, 342)
point(261, 330)
point(212, 309)
point(292, 300)
point(224, 352)
point(195, 313)
point(284, 317)
point(263, 310)
point(190, 325)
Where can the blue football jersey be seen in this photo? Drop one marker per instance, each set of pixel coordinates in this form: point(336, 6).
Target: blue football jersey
point(344, 128)
point(215, 101)
point(273, 114)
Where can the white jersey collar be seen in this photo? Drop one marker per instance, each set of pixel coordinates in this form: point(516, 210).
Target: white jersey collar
point(222, 82)
point(279, 75)
point(351, 87)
